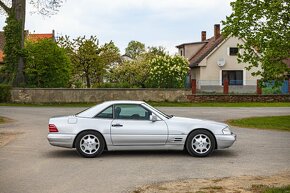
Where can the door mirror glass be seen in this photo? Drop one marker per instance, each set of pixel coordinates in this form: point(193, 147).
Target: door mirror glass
point(153, 118)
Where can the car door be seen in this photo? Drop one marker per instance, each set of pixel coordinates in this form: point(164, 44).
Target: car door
point(132, 126)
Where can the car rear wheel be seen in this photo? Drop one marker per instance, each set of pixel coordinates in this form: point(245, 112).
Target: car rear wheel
point(200, 143)
point(90, 144)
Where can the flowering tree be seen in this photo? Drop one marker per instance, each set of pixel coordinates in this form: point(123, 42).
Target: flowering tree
point(132, 73)
point(168, 71)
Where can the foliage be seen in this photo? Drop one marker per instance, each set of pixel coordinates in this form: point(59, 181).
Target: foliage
point(12, 48)
point(16, 11)
point(113, 85)
point(47, 65)
point(271, 90)
point(135, 73)
point(89, 59)
point(168, 71)
point(275, 123)
point(265, 27)
point(132, 73)
point(134, 49)
point(5, 93)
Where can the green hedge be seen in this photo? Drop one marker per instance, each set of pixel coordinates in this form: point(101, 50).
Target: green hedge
point(5, 94)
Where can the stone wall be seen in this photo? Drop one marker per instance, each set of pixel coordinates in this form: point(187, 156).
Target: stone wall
point(41, 95)
point(238, 98)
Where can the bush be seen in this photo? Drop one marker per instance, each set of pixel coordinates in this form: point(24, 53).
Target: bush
point(5, 94)
point(47, 65)
point(113, 85)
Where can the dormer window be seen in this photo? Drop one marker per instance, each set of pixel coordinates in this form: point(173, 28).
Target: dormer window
point(233, 51)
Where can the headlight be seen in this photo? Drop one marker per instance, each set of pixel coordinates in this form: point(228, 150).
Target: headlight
point(227, 131)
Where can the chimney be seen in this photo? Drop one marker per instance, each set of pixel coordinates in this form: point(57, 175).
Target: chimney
point(203, 36)
point(217, 31)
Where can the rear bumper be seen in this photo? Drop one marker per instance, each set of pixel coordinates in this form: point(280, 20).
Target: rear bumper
point(225, 141)
point(61, 140)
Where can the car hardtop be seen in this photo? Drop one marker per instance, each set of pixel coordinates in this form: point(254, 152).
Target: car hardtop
point(92, 111)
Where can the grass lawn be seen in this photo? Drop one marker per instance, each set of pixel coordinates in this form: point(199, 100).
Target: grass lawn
point(159, 104)
point(219, 104)
point(281, 123)
point(1, 120)
point(266, 189)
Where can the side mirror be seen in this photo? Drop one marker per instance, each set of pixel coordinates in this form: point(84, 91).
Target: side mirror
point(153, 118)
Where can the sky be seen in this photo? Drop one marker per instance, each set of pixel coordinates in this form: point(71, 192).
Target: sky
point(164, 23)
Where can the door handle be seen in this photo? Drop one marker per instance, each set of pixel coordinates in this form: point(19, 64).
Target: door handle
point(117, 125)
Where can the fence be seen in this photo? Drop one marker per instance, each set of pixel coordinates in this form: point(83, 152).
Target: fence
point(236, 87)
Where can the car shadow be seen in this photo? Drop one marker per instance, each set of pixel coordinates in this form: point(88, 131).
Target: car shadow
point(143, 153)
point(72, 153)
point(62, 153)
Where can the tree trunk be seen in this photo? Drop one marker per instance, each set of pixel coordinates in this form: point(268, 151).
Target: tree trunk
point(18, 7)
point(88, 80)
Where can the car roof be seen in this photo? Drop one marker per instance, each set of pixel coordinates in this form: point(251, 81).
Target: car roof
point(90, 112)
point(123, 101)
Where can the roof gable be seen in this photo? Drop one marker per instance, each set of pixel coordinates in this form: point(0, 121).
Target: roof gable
point(210, 45)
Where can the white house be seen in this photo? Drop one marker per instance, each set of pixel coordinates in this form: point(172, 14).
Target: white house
point(215, 59)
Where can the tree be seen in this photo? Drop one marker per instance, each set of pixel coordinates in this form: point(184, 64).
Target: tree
point(134, 49)
point(90, 60)
point(265, 27)
point(47, 65)
point(168, 71)
point(15, 11)
point(132, 73)
point(135, 73)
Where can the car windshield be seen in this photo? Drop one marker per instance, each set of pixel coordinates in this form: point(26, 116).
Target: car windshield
point(160, 112)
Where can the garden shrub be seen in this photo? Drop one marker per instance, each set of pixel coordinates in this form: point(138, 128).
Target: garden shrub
point(5, 94)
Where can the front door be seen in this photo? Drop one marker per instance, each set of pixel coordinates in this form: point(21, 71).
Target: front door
point(131, 126)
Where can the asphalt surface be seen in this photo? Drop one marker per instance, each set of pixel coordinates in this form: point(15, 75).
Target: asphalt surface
point(30, 164)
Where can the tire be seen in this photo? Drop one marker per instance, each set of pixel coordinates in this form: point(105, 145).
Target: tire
point(200, 143)
point(90, 144)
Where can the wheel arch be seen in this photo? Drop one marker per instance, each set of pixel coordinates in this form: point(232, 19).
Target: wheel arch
point(203, 129)
point(74, 143)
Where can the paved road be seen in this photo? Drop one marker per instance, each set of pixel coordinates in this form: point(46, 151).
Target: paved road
point(30, 164)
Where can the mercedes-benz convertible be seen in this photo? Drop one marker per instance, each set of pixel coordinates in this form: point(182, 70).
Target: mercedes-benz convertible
point(135, 125)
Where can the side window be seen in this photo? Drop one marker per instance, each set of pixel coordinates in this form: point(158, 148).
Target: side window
point(233, 51)
point(129, 111)
point(106, 114)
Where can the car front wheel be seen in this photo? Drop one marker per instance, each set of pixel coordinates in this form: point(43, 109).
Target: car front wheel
point(90, 144)
point(200, 143)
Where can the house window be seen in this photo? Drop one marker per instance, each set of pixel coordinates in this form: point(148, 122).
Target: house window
point(181, 54)
point(235, 77)
point(233, 51)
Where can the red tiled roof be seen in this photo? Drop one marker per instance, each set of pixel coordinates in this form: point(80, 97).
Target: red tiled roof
point(2, 43)
point(1, 56)
point(35, 37)
point(31, 37)
point(209, 45)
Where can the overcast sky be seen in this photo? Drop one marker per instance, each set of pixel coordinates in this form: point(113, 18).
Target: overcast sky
point(154, 22)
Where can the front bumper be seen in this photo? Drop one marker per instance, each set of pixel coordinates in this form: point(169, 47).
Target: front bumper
point(225, 141)
point(61, 140)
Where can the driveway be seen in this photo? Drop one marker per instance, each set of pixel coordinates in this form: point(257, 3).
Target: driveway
point(30, 164)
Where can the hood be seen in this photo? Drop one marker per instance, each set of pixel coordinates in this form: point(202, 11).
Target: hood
point(197, 121)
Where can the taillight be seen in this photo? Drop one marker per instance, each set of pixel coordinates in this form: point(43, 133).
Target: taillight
point(52, 128)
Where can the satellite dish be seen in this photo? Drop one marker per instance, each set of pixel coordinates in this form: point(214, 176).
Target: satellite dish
point(221, 62)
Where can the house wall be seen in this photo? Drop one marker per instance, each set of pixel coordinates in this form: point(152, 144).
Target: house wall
point(211, 73)
point(189, 50)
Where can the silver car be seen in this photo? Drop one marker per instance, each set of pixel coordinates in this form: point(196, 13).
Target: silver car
point(135, 125)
